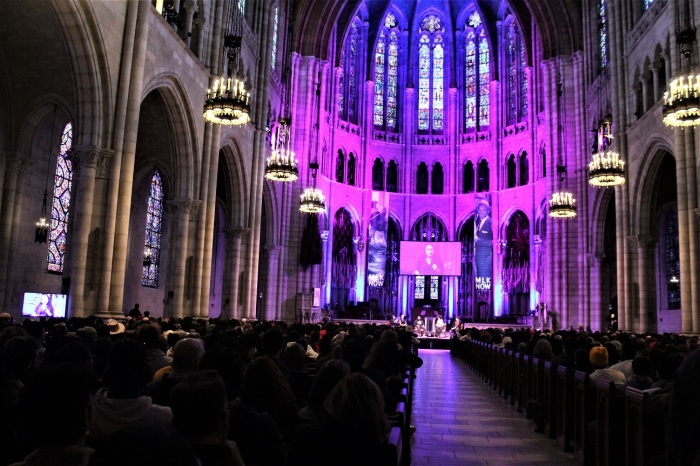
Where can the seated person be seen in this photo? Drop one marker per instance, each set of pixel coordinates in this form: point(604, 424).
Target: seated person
point(419, 326)
point(439, 326)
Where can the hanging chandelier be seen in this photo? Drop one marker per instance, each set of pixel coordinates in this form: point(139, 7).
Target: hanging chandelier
point(41, 233)
point(682, 99)
point(606, 168)
point(562, 205)
point(228, 101)
point(312, 199)
point(282, 164)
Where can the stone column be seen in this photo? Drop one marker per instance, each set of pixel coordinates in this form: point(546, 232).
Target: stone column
point(191, 8)
point(271, 305)
point(185, 210)
point(683, 233)
point(16, 164)
point(85, 160)
point(645, 275)
point(233, 270)
point(326, 269)
point(126, 121)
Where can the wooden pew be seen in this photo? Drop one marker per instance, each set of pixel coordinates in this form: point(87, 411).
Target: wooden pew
point(394, 448)
point(610, 438)
point(584, 413)
point(565, 411)
point(636, 442)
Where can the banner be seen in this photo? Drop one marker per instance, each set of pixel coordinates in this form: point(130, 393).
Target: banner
point(376, 239)
point(483, 245)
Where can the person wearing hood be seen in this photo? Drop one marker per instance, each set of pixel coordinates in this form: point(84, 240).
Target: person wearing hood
point(122, 403)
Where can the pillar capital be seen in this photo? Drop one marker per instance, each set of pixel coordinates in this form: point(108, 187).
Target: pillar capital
point(185, 206)
point(17, 162)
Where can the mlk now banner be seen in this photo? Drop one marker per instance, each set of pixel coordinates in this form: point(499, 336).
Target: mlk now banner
point(483, 245)
point(376, 239)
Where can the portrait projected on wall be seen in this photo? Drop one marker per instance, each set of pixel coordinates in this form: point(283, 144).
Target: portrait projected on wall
point(44, 305)
point(483, 245)
point(430, 258)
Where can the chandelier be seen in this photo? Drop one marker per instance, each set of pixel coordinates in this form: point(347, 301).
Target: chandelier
point(282, 164)
point(562, 205)
point(228, 101)
point(606, 168)
point(41, 233)
point(682, 99)
point(312, 199)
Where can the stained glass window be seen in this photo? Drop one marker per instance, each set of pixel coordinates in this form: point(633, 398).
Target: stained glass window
point(60, 203)
point(386, 75)
point(241, 6)
point(431, 75)
point(424, 83)
point(672, 261)
point(347, 89)
point(434, 287)
point(274, 36)
point(602, 21)
point(516, 63)
point(477, 75)
point(647, 4)
point(420, 287)
point(154, 227)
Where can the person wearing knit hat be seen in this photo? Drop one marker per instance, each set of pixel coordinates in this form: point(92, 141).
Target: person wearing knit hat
point(599, 360)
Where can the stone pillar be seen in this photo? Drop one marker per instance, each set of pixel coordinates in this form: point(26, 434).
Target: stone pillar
point(126, 122)
point(271, 305)
point(184, 210)
point(191, 8)
point(683, 233)
point(232, 274)
point(16, 164)
point(645, 276)
point(86, 161)
point(326, 269)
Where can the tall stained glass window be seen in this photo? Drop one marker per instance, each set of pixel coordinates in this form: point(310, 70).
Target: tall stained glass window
point(431, 75)
point(241, 6)
point(347, 90)
point(603, 35)
point(60, 203)
point(274, 37)
point(672, 259)
point(516, 63)
point(434, 287)
point(420, 287)
point(386, 75)
point(154, 230)
point(477, 75)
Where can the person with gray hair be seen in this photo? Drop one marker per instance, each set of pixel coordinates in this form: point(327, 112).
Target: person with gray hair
point(186, 356)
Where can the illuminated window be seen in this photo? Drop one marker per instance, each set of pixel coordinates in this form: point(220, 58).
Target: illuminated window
point(386, 75)
point(603, 35)
point(274, 36)
point(516, 63)
point(420, 287)
point(647, 4)
point(241, 6)
point(154, 227)
point(431, 75)
point(348, 88)
point(477, 75)
point(434, 287)
point(61, 203)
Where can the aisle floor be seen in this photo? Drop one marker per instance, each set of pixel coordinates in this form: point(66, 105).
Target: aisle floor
point(460, 420)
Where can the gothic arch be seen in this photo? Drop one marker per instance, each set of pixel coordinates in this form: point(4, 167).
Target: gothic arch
point(641, 198)
point(236, 183)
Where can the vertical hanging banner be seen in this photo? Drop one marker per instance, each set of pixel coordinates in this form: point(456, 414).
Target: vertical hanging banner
point(376, 239)
point(483, 245)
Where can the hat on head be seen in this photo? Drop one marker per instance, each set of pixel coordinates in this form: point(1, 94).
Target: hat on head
point(115, 327)
point(5, 316)
point(599, 356)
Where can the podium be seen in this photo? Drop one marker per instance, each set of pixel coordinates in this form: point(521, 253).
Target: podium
point(430, 326)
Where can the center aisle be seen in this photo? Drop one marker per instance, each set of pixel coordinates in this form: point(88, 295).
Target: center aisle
point(459, 419)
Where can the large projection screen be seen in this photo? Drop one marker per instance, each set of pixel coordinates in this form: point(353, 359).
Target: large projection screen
point(430, 258)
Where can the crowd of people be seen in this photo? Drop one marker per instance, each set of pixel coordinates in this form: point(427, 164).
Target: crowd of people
point(666, 366)
point(141, 390)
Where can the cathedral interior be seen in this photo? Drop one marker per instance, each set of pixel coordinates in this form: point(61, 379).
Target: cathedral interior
point(477, 126)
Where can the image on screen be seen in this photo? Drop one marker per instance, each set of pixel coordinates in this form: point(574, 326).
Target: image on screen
point(430, 258)
point(44, 305)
